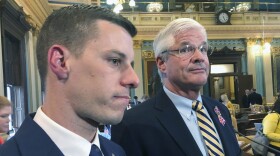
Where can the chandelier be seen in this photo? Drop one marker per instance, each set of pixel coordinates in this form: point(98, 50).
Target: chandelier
point(118, 4)
point(154, 7)
point(243, 7)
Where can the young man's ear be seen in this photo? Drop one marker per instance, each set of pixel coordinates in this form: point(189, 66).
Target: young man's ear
point(56, 61)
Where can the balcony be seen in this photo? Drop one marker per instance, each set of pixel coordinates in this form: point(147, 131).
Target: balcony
point(191, 7)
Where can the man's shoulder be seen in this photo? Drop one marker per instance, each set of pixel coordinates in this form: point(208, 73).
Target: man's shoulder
point(209, 99)
point(213, 102)
point(144, 106)
point(9, 148)
point(29, 140)
point(22, 139)
point(107, 142)
point(273, 115)
point(143, 112)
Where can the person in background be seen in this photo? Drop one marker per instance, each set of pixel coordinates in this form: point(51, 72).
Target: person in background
point(84, 55)
point(245, 99)
point(271, 127)
point(255, 98)
point(135, 100)
point(105, 130)
point(226, 101)
point(5, 112)
point(170, 123)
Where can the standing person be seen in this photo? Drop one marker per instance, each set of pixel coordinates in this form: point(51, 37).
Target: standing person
point(135, 100)
point(245, 99)
point(255, 98)
point(5, 112)
point(166, 124)
point(84, 56)
point(271, 127)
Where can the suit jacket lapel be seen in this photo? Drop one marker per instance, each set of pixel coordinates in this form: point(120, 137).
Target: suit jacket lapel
point(109, 148)
point(172, 121)
point(106, 150)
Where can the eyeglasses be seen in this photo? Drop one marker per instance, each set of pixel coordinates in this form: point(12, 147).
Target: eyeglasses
point(189, 49)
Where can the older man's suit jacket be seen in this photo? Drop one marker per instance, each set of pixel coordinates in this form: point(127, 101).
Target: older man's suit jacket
point(31, 140)
point(155, 128)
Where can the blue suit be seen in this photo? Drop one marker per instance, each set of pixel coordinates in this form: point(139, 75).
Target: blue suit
point(31, 140)
point(156, 128)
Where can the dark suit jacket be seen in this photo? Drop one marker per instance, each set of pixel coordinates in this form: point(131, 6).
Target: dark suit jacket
point(255, 98)
point(155, 128)
point(31, 140)
point(245, 101)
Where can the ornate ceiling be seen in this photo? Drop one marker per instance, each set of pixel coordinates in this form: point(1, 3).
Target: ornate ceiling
point(244, 25)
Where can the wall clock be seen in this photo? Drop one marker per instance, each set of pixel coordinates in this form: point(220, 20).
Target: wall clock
point(223, 17)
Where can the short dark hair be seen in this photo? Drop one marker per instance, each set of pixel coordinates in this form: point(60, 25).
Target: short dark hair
point(72, 26)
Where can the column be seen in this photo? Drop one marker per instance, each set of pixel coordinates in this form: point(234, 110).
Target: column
point(32, 74)
point(268, 81)
point(216, 87)
point(259, 70)
point(139, 91)
point(251, 59)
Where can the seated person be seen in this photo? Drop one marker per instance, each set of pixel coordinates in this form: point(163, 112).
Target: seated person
point(226, 101)
point(271, 127)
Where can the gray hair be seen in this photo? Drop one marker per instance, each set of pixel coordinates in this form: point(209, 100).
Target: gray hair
point(166, 37)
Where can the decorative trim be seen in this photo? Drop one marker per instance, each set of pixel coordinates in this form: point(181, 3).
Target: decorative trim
point(251, 41)
point(137, 44)
point(148, 54)
point(35, 11)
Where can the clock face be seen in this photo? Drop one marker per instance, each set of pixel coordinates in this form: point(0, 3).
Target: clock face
point(223, 17)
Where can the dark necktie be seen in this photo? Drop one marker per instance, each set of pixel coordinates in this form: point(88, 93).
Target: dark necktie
point(207, 130)
point(95, 151)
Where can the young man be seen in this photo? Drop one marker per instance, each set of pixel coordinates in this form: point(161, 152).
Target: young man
point(255, 98)
point(178, 120)
point(84, 56)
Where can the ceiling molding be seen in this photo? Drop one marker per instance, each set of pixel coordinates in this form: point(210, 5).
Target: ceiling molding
point(35, 10)
point(243, 25)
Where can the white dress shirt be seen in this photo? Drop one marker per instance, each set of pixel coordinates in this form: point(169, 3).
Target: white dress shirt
point(184, 106)
point(69, 143)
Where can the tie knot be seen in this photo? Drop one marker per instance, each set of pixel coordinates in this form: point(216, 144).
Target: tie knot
point(196, 105)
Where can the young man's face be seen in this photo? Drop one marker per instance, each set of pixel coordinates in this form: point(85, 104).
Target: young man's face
point(101, 77)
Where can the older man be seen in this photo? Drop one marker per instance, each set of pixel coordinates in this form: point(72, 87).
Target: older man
point(178, 121)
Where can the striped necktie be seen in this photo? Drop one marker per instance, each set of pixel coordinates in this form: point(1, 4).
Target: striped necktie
point(207, 130)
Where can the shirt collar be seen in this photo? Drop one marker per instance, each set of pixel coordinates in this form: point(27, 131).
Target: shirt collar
point(183, 105)
point(68, 142)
